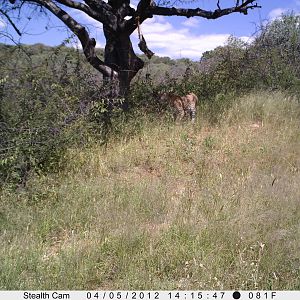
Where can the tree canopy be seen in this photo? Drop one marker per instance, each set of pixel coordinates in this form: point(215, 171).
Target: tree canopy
point(119, 20)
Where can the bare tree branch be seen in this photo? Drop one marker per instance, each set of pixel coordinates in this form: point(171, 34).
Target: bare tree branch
point(11, 22)
point(142, 13)
point(88, 44)
point(147, 8)
point(102, 12)
point(98, 4)
point(198, 12)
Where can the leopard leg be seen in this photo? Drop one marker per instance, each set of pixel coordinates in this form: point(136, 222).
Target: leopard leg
point(180, 115)
point(193, 115)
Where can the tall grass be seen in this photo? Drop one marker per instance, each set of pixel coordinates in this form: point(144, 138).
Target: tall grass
point(188, 207)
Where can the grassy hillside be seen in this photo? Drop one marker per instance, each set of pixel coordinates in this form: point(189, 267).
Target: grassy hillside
point(176, 206)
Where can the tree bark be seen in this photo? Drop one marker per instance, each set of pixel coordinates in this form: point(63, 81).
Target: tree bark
point(120, 56)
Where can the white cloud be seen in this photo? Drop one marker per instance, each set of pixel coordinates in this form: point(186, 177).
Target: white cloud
point(2, 23)
point(247, 39)
point(276, 13)
point(191, 22)
point(165, 40)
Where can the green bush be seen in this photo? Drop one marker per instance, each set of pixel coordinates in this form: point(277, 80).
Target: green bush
point(44, 109)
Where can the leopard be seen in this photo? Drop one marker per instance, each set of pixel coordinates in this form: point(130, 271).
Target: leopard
point(181, 105)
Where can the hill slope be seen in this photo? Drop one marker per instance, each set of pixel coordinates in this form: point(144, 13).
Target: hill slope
point(175, 207)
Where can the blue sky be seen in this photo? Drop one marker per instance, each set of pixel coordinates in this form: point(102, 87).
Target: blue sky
point(167, 36)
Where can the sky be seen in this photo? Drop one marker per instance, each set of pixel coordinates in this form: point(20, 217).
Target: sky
point(176, 37)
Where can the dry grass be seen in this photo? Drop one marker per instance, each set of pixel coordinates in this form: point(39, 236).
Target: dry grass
point(175, 207)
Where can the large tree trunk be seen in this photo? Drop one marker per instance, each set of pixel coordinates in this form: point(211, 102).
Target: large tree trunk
point(119, 55)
